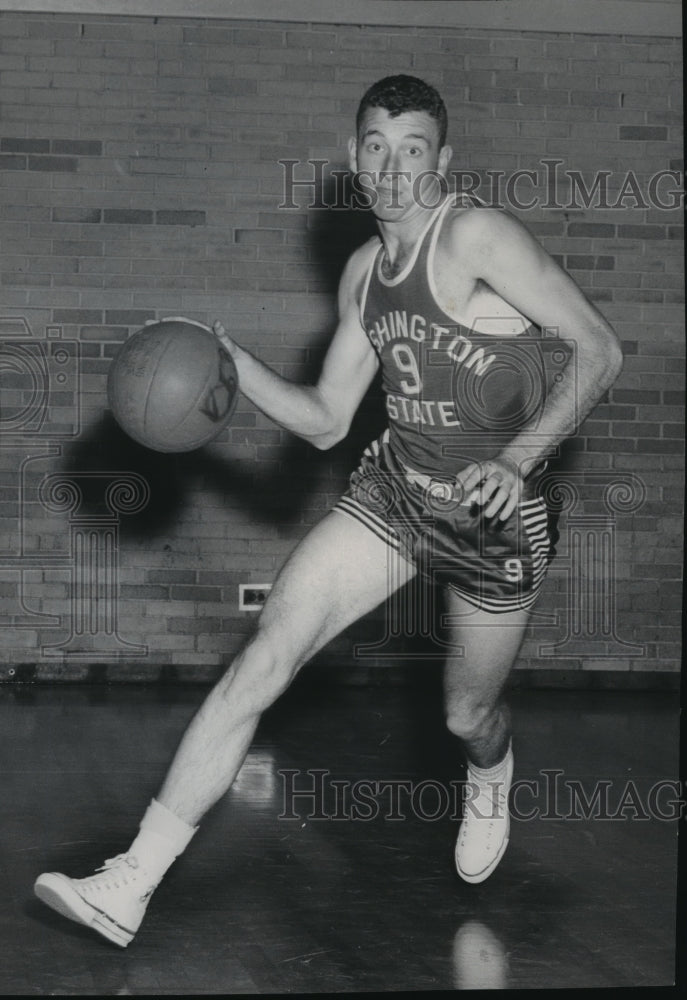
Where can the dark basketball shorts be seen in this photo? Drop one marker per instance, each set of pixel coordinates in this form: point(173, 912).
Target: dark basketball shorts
point(495, 565)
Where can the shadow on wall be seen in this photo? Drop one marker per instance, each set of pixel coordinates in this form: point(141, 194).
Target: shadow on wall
point(336, 231)
point(273, 493)
point(172, 478)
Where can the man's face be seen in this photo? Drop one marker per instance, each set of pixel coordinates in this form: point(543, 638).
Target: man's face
point(398, 161)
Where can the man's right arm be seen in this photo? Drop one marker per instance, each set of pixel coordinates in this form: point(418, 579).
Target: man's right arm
point(320, 414)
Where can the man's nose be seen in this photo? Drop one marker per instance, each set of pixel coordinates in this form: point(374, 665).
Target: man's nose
point(391, 162)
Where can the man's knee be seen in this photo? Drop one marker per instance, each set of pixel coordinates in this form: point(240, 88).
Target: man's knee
point(262, 670)
point(467, 717)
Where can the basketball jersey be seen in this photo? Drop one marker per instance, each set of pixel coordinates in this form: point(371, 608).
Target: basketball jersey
point(453, 395)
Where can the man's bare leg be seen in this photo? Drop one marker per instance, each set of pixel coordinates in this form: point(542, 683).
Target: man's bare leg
point(474, 679)
point(339, 572)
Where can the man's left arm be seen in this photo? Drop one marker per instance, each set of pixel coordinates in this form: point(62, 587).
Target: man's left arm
point(505, 256)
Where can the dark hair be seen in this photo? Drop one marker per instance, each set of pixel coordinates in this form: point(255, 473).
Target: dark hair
point(397, 94)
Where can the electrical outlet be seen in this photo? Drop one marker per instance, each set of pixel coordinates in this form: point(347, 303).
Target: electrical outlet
point(252, 596)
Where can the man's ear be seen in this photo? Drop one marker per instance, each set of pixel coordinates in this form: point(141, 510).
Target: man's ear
point(353, 154)
point(445, 156)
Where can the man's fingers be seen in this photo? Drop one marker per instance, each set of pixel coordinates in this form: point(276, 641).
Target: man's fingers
point(498, 503)
point(498, 495)
point(493, 484)
point(470, 477)
point(497, 488)
point(219, 331)
point(223, 337)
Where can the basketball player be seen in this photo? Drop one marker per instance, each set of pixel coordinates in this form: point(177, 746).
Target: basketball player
point(445, 300)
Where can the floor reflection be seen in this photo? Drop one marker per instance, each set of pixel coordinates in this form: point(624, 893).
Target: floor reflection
point(480, 960)
point(258, 782)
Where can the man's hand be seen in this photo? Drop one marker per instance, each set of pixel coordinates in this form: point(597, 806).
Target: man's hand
point(497, 483)
point(225, 340)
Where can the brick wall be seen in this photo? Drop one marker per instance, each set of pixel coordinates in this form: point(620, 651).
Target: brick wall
point(139, 160)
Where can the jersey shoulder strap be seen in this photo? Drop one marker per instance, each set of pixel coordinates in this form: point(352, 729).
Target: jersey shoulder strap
point(371, 251)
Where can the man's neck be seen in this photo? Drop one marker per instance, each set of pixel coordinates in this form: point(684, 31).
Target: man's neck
point(400, 239)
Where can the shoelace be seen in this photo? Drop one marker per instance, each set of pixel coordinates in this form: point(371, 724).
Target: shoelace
point(495, 796)
point(113, 873)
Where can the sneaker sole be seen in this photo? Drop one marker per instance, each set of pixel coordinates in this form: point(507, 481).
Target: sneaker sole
point(57, 892)
point(486, 872)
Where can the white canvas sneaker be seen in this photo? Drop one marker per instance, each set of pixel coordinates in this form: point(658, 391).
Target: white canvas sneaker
point(485, 830)
point(113, 901)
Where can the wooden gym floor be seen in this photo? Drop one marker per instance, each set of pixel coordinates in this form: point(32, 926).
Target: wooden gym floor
point(263, 904)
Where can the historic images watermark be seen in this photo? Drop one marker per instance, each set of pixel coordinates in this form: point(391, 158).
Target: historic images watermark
point(315, 794)
point(549, 185)
point(59, 553)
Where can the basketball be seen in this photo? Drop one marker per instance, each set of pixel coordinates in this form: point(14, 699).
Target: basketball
point(172, 387)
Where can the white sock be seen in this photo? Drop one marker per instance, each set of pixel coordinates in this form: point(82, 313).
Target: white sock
point(161, 839)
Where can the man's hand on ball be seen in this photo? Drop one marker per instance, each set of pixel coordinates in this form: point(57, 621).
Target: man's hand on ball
point(225, 340)
point(496, 483)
